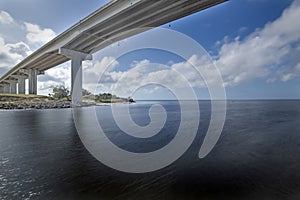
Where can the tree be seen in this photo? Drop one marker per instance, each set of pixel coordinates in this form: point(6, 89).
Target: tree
point(60, 92)
point(85, 92)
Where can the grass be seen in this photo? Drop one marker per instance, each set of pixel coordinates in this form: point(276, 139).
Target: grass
point(23, 97)
point(96, 98)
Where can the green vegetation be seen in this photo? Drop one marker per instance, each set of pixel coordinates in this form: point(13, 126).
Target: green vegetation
point(30, 101)
point(23, 98)
point(60, 92)
point(60, 98)
point(85, 92)
point(107, 98)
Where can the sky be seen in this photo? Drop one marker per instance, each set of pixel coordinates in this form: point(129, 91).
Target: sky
point(254, 44)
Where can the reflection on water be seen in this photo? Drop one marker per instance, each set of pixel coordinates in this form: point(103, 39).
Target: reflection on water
point(257, 156)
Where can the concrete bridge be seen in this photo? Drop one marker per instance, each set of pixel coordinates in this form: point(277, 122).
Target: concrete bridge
point(103, 27)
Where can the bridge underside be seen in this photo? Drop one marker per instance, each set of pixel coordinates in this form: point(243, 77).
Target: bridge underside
point(113, 22)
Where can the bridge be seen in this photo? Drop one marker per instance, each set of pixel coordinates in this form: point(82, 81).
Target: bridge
point(109, 24)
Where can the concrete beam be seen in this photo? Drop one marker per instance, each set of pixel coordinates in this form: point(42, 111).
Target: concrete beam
point(28, 71)
point(76, 72)
point(19, 75)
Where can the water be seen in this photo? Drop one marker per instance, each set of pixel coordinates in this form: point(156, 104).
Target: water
point(257, 156)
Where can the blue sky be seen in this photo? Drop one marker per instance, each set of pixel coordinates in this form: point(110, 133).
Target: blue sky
point(254, 43)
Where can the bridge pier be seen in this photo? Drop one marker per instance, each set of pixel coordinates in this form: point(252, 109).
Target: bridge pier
point(76, 72)
point(6, 88)
point(21, 85)
point(1, 89)
point(32, 77)
point(21, 82)
point(11, 86)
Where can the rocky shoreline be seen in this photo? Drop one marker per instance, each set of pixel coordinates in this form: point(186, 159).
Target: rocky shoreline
point(48, 105)
point(30, 102)
point(34, 105)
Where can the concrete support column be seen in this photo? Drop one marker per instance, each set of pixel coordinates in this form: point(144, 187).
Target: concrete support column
point(21, 85)
point(76, 72)
point(6, 88)
point(1, 89)
point(32, 77)
point(76, 80)
point(10, 86)
point(13, 87)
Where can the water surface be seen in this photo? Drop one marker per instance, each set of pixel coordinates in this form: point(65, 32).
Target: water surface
point(257, 156)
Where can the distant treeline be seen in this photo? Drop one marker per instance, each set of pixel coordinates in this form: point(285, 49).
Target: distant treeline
point(108, 98)
point(61, 92)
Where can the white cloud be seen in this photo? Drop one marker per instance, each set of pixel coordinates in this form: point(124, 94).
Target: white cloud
point(13, 50)
point(271, 53)
point(16, 49)
point(60, 75)
point(11, 54)
point(37, 35)
point(93, 71)
point(143, 72)
point(5, 18)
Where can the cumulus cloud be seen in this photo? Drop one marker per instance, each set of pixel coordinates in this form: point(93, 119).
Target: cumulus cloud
point(11, 54)
point(16, 49)
point(60, 75)
point(93, 71)
point(5, 18)
point(271, 52)
point(17, 42)
point(38, 35)
point(145, 76)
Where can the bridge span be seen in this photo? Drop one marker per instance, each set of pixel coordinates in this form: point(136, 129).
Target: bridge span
point(105, 26)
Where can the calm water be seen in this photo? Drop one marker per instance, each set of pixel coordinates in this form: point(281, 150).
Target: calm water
point(257, 156)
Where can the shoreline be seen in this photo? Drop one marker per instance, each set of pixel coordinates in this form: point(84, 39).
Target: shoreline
point(50, 105)
point(34, 105)
point(39, 102)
